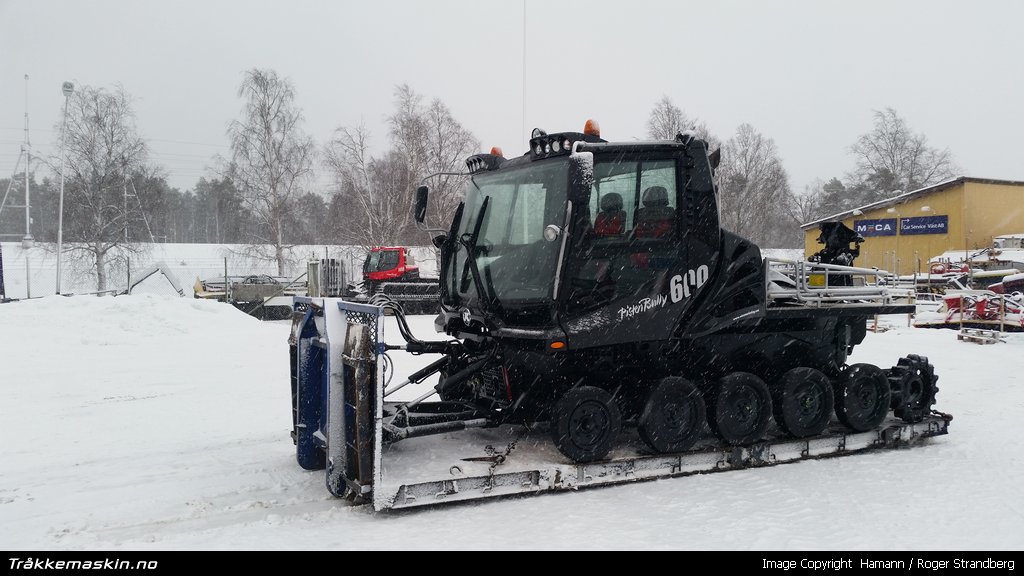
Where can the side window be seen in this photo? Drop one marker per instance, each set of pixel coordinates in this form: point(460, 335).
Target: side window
point(633, 243)
point(622, 207)
point(656, 211)
point(612, 199)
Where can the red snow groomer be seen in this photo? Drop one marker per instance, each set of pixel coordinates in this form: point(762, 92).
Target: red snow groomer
point(386, 263)
point(392, 270)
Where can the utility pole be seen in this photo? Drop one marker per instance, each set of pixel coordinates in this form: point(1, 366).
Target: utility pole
point(124, 186)
point(27, 241)
point(142, 212)
point(66, 88)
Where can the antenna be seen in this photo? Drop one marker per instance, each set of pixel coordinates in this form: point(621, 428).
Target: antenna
point(523, 126)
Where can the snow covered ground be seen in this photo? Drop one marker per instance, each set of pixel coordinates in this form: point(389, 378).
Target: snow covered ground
point(150, 422)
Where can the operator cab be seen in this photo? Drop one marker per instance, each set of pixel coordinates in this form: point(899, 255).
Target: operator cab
point(577, 235)
point(389, 263)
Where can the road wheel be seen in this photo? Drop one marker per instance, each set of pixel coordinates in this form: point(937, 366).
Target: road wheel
point(802, 402)
point(739, 408)
point(862, 397)
point(912, 382)
point(585, 422)
point(672, 416)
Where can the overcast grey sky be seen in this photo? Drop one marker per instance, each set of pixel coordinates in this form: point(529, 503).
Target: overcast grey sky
point(807, 74)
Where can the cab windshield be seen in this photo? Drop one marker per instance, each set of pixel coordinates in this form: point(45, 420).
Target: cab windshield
point(380, 260)
point(515, 262)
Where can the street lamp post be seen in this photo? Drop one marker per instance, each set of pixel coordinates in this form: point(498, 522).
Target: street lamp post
point(928, 256)
point(67, 88)
point(896, 255)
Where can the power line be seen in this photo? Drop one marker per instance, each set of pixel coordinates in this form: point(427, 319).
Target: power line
point(189, 142)
point(186, 142)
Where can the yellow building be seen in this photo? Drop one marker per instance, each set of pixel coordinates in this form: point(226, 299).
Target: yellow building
point(902, 233)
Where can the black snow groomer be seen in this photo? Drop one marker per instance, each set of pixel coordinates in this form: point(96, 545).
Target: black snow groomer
point(602, 328)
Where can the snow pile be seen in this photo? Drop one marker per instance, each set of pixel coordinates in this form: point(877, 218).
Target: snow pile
point(783, 253)
point(115, 408)
point(145, 422)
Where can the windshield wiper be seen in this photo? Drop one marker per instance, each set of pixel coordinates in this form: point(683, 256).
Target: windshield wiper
point(448, 258)
point(471, 249)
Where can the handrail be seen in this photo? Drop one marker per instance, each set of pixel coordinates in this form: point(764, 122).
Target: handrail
point(802, 291)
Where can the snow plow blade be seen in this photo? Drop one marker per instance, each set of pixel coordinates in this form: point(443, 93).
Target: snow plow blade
point(444, 474)
point(339, 413)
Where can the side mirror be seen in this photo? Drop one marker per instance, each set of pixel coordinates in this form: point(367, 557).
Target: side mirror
point(439, 240)
point(715, 158)
point(420, 212)
point(581, 170)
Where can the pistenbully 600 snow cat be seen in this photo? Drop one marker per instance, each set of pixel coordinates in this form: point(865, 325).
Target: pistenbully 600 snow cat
point(590, 294)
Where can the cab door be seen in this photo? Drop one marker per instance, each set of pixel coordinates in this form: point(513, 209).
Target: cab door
point(627, 269)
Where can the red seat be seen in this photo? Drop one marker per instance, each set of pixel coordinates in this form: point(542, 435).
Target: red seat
point(611, 221)
point(656, 218)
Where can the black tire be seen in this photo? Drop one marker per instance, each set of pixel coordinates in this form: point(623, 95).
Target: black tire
point(912, 383)
point(739, 408)
point(802, 402)
point(585, 423)
point(862, 397)
point(673, 416)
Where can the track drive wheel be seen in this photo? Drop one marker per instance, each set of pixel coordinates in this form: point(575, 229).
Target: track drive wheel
point(585, 423)
point(739, 408)
point(912, 381)
point(802, 402)
point(673, 415)
point(862, 397)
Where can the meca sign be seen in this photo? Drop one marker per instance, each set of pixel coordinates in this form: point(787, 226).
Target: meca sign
point(880, 227)
point(907, 226)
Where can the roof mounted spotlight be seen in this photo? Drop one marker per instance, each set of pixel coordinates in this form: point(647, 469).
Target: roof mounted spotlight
point(544, 145)
point(484, 162)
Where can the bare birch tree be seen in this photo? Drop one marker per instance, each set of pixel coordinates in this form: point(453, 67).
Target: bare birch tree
point(892, 157)
point(375, 194)
point(807, 206)
point(448, 144)
point(666, 120)
point(271, 157)
point(103, 150)
point(754, 188)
